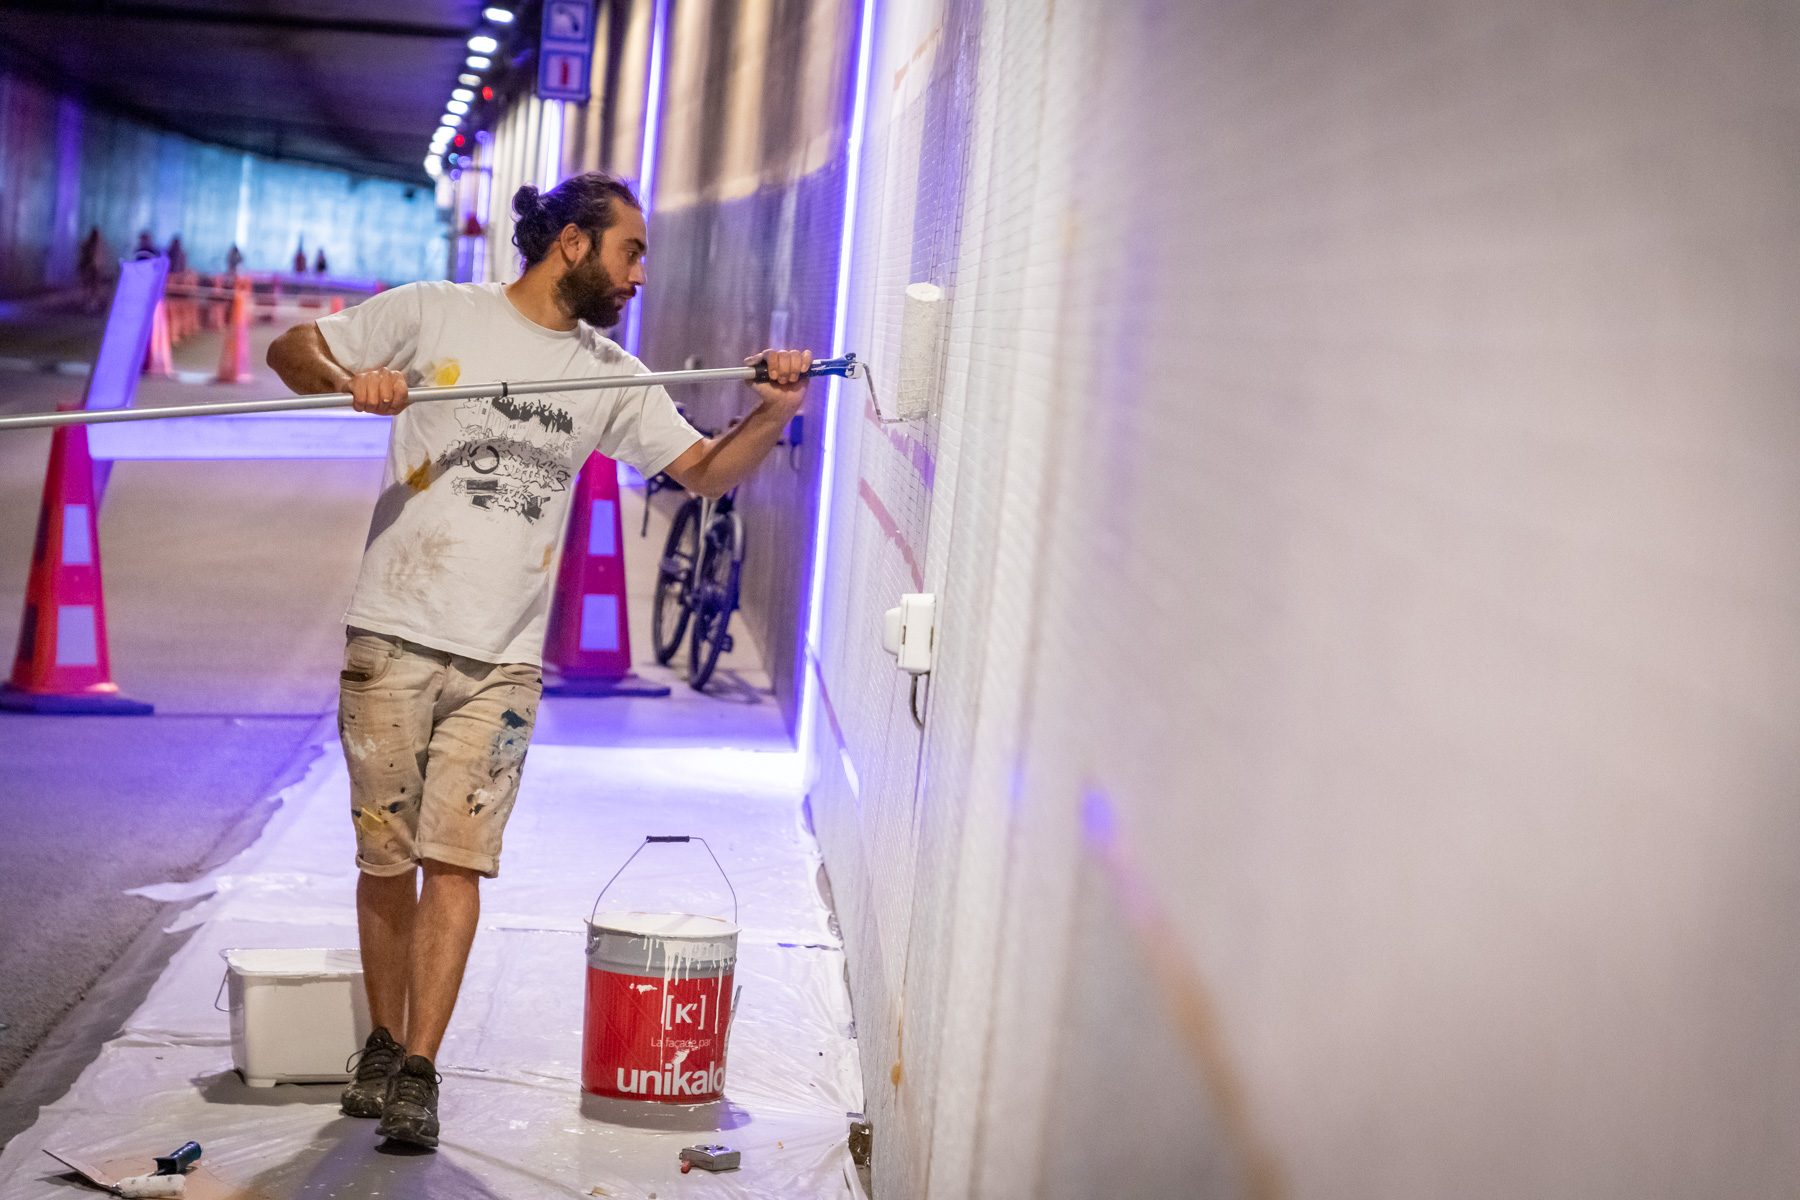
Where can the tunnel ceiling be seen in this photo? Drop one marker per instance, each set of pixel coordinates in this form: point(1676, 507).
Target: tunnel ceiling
point(357, 84)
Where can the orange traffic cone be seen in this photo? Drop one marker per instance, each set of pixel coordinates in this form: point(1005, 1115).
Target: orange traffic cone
point(62, 664)
point(337, 304)
point(234, 356)
point(587, 647)
point(159, 355)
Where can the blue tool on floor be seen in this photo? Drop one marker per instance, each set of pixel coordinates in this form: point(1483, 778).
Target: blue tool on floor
point(178, 1162)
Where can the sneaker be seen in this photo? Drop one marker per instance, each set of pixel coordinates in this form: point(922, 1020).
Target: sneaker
point(374, 1065)
point(411, 1111)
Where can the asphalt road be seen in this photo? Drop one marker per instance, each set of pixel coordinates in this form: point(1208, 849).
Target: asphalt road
point(225, 587)
point(92, 806)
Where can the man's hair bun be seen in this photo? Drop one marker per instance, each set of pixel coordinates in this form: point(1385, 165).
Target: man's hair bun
point(531, 225)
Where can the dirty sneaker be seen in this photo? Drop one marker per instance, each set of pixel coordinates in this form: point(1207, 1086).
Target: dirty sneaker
point(374, 1065)
point(411, 1111)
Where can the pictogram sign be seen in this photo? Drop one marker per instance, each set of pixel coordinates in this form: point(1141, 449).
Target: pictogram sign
point(565, 53)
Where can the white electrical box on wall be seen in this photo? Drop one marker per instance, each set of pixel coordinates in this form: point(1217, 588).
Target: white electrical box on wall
point(909, 632)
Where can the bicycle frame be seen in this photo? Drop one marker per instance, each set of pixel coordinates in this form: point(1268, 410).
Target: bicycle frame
point(703, 602)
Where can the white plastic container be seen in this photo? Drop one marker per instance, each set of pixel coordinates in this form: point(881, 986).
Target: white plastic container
point(296, 1015)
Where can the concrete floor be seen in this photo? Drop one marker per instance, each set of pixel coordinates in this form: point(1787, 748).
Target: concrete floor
point(517, 1125)
point(226, 584)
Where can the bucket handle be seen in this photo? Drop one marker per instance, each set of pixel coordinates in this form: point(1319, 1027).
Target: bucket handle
point(675, 837)
point(225, 957)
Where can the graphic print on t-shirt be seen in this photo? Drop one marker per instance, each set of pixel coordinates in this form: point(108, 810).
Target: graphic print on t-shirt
point(517, 448)
point(473, 494)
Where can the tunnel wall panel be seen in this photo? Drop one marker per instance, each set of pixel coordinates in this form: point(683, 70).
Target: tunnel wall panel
point(28, 183)
point(745, 228)
point(65, 169)
point(745, 231)
point(1363, 504)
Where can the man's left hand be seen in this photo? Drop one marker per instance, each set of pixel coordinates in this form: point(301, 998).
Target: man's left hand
point(786, 389)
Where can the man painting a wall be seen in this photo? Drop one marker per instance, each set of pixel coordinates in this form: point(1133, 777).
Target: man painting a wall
point(441, 678)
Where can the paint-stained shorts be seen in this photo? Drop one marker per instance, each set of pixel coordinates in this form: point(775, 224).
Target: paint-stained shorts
point(435, 743)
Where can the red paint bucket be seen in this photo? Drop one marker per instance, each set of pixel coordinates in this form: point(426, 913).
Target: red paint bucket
point(659, 1002)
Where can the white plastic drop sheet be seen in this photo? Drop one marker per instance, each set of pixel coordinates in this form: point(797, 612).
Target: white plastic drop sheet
point(511, 1111)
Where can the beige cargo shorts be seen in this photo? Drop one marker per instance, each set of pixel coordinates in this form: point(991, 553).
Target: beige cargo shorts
point(435, 743)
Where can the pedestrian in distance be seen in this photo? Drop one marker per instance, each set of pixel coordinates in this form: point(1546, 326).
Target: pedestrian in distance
point(300, 258)
point(319, 267)
point(177, 256)
point(442, 667)
point(87, 269)
point(234, 258)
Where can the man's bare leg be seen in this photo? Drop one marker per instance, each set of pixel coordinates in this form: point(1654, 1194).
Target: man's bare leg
point(444, 923)
point(448, 911)
point(386, 908)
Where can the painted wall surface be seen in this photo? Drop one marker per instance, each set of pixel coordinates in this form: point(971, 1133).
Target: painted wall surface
point(65, 169)
point(1364, 501)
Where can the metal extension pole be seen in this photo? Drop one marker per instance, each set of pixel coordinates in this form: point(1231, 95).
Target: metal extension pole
point(847, 366)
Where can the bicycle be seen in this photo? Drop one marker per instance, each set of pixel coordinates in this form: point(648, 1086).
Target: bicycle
point(697, 584)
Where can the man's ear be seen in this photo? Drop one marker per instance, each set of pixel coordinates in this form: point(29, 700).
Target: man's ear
point(572, 242)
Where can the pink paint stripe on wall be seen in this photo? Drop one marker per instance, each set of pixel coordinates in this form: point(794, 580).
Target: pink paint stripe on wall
point(889, 527)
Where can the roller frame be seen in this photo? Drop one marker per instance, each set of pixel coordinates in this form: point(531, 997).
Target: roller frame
point(846, 366)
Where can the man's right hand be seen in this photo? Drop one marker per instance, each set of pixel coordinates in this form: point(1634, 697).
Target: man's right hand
point(379, 391)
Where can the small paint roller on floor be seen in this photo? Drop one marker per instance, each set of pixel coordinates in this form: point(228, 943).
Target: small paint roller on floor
point(168, 1179)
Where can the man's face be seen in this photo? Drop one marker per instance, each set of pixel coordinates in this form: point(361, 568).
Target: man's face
point(597, 288)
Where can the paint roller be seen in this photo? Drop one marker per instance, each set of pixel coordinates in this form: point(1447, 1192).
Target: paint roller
point(921, 350)
point(846, 366)
point(922, 320)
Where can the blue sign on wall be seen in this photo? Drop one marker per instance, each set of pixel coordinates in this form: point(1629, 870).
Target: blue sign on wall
point(565, 54)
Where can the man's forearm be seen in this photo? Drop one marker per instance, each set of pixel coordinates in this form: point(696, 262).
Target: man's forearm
point(730, 458)
point(303, 361)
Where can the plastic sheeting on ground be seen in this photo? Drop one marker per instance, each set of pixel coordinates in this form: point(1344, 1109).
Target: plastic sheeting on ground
point(511, 1102)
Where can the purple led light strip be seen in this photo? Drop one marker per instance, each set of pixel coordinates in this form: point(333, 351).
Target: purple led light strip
point(809, 699)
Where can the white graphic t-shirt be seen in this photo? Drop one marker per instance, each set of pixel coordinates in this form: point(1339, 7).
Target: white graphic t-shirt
point(475, 494)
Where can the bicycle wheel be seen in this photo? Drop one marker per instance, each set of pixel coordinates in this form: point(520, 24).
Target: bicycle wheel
point(716, 596)
point(674, 582)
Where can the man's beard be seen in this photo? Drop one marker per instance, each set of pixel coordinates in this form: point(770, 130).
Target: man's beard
point(588, 293)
